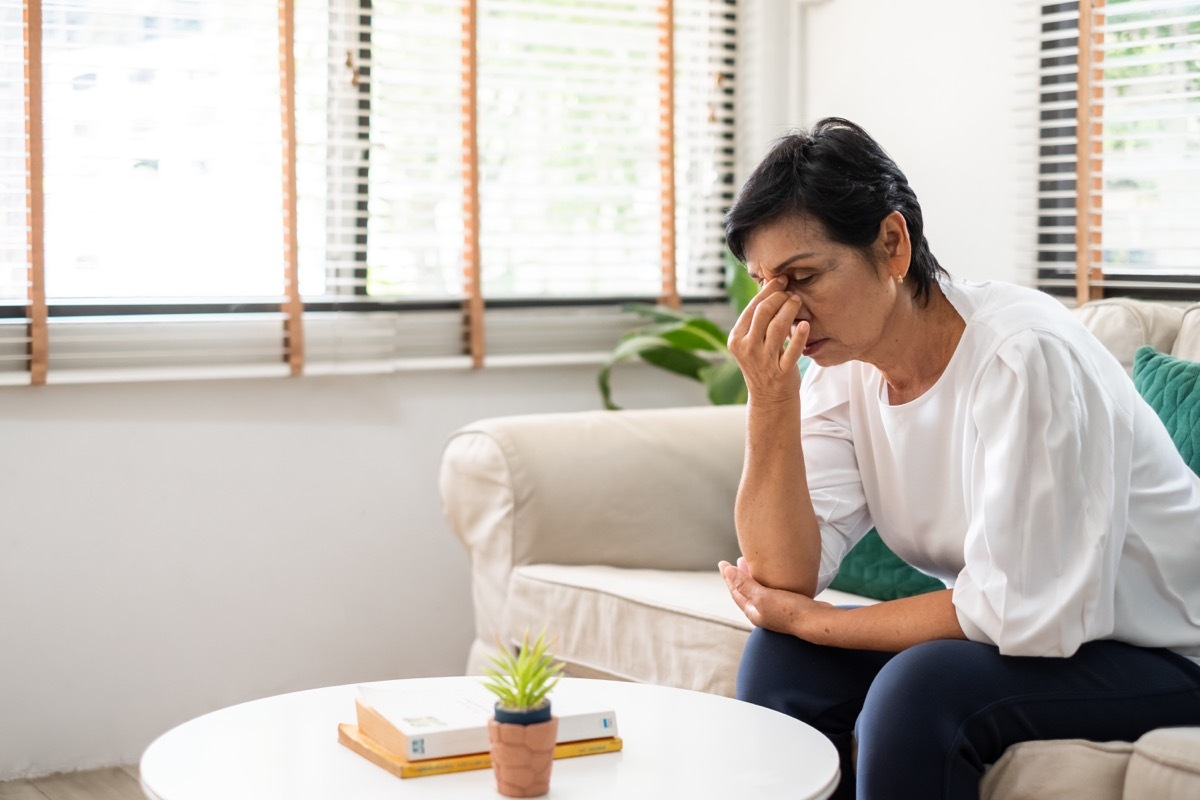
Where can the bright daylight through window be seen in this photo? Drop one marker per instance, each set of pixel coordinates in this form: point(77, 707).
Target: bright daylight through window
point(166, 156)
point(1140, 172)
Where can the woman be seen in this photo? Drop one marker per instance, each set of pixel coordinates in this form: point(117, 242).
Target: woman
point(993, 443)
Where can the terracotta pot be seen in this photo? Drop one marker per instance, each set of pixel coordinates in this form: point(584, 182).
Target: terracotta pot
point(522, 756)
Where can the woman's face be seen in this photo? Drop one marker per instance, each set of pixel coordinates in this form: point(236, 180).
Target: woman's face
point(846, 298)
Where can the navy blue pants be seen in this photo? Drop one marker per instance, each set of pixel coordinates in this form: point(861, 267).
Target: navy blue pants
point(928, 720)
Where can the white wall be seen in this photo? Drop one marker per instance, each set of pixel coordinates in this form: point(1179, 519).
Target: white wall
point(940, 84)
point(169, 549)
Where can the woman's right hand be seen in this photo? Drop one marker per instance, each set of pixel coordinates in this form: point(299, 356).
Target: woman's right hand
point(757, 343)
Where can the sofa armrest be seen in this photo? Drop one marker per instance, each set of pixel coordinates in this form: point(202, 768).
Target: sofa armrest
point(651, 489)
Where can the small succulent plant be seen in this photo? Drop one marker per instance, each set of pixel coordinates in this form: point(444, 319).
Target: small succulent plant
point(522, 680)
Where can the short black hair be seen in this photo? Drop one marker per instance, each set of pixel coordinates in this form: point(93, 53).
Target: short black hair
point(836, 174)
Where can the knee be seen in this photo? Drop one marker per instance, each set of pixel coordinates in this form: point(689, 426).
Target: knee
point(922, 686)
point(767, 668)
point(822, 686)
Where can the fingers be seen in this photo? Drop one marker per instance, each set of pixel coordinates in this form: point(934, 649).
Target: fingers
point(766, 321)
point(738, 579)
point(735, 578)
point(771, 291)
point(779, 324)
point(795, 348)
point(729, 574)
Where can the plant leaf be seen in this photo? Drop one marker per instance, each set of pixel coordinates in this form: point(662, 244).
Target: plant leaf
point(725, 383)
point(681, 362)
point(694, 333)
point(522, 680)
point(699, 333)
point(634, 345)
point(653, 350)
point(656, 313)
point(740, 285)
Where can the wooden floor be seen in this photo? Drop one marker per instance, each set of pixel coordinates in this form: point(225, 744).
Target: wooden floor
point(117, 783)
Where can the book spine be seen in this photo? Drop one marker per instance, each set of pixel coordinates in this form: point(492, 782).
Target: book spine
point(572, 727)
point(449, 744)
point(441, 766)
point(589, 725)
point(588, 747)
point(354, 739)
point(438, 766)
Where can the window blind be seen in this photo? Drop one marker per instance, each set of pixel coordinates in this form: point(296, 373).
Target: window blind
point(343, 185)
point(1119, 149)
point(23, 332)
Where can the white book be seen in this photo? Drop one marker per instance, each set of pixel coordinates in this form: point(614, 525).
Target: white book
point(435, 724)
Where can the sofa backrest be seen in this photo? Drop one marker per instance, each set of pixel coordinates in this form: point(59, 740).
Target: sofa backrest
point(1123, 325)
point(1187, 343)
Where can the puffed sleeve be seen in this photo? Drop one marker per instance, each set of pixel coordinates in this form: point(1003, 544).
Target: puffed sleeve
point(834, 483)
point(1046, 499)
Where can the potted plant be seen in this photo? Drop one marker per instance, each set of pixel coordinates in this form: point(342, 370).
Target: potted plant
point(686, 344)
point(524, 731)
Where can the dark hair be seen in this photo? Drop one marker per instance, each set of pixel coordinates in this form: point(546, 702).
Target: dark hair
point(836, 174)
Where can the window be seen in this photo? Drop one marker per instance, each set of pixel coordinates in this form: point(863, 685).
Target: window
point(392, 167)
point(1134, 195)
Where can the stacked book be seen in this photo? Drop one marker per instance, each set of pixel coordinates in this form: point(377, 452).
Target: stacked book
point(411, 733)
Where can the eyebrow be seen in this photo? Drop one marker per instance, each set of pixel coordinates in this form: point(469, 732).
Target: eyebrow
point(778, 270)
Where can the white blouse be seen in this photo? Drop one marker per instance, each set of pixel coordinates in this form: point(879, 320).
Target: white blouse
point(1032, 478)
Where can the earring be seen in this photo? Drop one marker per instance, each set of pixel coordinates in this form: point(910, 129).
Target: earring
point(899, 279)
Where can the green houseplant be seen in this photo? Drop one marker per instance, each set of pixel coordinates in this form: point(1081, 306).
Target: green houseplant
point(686, 344)
point(523, 732)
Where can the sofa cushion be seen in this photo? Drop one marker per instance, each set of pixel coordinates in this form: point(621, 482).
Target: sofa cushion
point(1172, 388)
point(1063, 769)
point(1165, 765)
point(871, 569)
point(1123, 325)
point(668, 627)
point(674, 628)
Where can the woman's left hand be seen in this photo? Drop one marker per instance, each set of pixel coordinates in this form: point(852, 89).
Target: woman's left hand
point(774, 609)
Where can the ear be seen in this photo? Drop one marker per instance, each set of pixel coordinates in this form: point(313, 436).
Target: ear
point(894, 244)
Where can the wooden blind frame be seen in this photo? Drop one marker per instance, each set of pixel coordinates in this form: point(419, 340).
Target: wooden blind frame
point(293, 305)
point(1089, 149)
point(669, 293)
point(472, 312)
point(38, 332)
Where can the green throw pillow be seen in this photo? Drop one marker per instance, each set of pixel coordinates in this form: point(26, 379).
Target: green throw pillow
point(1172, 388)
point(872, 570)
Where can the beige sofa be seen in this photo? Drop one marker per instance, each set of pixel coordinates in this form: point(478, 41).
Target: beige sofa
point(606, 527)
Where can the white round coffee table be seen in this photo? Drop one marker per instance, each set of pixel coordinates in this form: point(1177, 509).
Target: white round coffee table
point(678, 744)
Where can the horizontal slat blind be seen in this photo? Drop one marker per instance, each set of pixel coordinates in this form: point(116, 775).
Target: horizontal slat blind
point(379, 122)
point(168, 217)
point(14, 243)
point(569, 152)
point(163, 170)
point(1140, 129)
point(704, 135)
